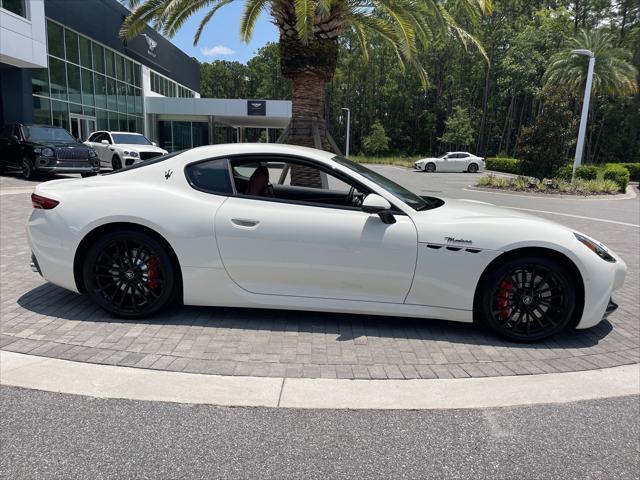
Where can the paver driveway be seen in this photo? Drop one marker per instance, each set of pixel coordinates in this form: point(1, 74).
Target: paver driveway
point(41, 319)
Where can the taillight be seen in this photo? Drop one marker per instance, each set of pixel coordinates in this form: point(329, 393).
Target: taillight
point(44, 203)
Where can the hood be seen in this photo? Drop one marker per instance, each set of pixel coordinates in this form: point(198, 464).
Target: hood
point(140, 148)
point(471, 223)
point(58, 144)
point(427, 159)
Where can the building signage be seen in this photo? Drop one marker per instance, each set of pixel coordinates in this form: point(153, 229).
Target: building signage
point(257, 108)
point(151, 44)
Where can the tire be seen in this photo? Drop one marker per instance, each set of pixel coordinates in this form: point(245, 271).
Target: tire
point(129, 274)
point(27, 169)
point(116, 163)
point(526, 299)
point(472, 168)
point(88, 174)
point(430, 167)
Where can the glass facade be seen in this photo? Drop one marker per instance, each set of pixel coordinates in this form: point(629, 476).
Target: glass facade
point(178, 135)
point(19, 7)
point(169, 88)
point(85, 78)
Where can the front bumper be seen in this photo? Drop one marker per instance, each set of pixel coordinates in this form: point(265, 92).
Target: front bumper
point(54, 165)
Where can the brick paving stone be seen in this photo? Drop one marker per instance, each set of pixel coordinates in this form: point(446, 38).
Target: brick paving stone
point(41, 319)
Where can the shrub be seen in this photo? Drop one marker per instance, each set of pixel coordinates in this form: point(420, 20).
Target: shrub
point(485, 181)
point(564, 172)
point(507, 165)
point(618, 174)
point(587, 172)
point(633, 168)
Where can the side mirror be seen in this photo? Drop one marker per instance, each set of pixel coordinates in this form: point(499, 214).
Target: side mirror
point(375, 204)
point(105, 142)
point(14, 139)
point(154, 144)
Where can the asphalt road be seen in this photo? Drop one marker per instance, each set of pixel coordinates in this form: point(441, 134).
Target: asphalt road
point(45, 435)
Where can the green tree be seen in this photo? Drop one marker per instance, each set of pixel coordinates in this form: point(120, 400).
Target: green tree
point(377, 141)
point(459, 130)
point(546, 145)
point(310, 31)
point(224, 79)
point(613, 73)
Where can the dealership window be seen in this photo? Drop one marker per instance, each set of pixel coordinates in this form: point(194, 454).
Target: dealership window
point(86, 78)
point(19, 7)
point(178, 135)
point(168, 88)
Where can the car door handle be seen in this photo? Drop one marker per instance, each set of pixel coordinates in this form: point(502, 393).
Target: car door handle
point(244, 222)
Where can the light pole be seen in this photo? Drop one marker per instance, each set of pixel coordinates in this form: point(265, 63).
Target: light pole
point(348, 130)
point(585, 107)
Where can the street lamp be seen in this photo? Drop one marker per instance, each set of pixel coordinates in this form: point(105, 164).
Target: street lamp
point(348, 130)
point(585, 107)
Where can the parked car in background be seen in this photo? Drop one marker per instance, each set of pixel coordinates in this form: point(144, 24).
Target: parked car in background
point(44, 149)
point(452, 162)
point(122, 149)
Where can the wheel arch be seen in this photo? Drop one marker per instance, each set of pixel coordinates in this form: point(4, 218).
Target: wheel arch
point(103, 229)
point(547, 253)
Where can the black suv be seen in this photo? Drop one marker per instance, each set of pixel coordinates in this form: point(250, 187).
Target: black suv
point(37, 149)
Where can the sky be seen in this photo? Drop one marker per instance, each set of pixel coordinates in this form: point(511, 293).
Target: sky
point(220, 40)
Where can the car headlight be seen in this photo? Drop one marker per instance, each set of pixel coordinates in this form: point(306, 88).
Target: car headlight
point(45, 152)
point(92, 153)
point(131, 154)
point(595, 248)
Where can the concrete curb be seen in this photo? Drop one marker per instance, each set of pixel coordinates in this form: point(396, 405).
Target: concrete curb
point(105, 381)
point(629, 194)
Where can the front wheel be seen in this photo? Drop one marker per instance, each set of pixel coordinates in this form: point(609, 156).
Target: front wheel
point(88, 174)
point(430, 167)
point(526, 299)
point(129, 274)
point(27, 169)
point(116, 164)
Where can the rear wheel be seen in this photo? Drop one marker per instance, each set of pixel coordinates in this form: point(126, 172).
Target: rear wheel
point(129, 274)
point(116, 164)
point(472, 168)
point(527, 299)
point(430, 167)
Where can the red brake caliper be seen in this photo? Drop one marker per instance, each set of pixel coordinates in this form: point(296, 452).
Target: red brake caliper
point(506, 289)
point(153, 273)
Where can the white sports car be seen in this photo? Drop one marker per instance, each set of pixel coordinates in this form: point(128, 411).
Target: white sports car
point(122, 149)
point(276, 226)
point(452, 162)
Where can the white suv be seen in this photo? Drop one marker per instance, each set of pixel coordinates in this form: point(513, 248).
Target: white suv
point(122, 149)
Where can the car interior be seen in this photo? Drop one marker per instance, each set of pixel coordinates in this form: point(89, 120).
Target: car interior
point(291, 181)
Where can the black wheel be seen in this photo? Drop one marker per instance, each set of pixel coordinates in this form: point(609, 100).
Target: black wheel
point(88, 174)
point(129, 274)
point(116, 163)
point(27, 169)
point(430, 167)
point(472, 168)
point(526, 299)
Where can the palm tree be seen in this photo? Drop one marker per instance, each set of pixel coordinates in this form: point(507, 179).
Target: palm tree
point(614, 74)
point(309, 35)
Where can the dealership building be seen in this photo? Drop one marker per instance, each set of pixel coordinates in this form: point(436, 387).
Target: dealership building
point(62, 62)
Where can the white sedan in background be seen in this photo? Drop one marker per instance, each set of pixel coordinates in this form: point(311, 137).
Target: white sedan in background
point(239, 226)
point(122, 149)
point(452, 162)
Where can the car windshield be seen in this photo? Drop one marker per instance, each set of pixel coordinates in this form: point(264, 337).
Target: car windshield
point(130, 139)
point(47, 134)
point(410, 198)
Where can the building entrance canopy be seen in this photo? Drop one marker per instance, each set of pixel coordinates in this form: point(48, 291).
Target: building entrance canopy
point(231, 112)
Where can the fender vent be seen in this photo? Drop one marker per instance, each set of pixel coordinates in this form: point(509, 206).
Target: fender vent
point(454, 249)
point(434, 246)
point(473, 250)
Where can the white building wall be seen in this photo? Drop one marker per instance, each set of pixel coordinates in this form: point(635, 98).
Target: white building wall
point(23, 41)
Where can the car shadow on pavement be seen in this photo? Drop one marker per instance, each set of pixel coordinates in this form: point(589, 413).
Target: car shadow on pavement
point(57, 303)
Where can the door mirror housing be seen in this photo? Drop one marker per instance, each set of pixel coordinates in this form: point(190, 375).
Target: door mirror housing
point(154, 144)
point(375, 204)
point(105, 142)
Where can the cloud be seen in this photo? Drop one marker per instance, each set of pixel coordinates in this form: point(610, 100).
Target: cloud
point(217, 51)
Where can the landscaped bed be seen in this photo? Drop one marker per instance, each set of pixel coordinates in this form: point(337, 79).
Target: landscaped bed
point(551, 185)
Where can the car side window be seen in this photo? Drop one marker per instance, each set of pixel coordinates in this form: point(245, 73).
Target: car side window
point(291, 181)
point(463, 155)
point(211, 176)
point(94, 137)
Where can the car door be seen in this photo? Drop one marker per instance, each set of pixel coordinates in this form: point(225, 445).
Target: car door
point(447, 164)
point(103, 150)
point(11, 146)
point(462, 162)
point(294, 248)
